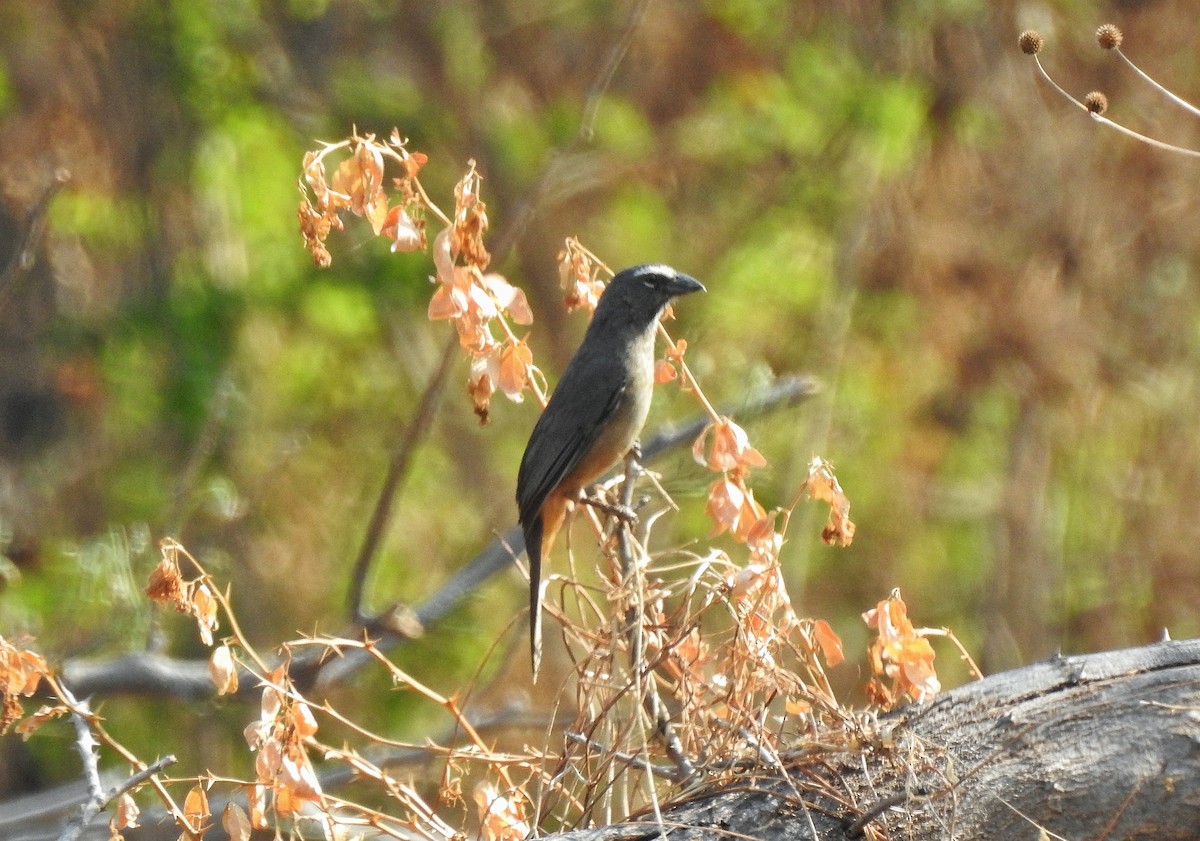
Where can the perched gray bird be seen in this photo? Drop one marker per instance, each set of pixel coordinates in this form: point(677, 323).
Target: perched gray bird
point(595, 414)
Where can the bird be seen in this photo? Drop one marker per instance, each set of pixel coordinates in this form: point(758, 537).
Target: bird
point(594, 416)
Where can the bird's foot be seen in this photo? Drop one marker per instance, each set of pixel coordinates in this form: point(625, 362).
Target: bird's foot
point(622, 512)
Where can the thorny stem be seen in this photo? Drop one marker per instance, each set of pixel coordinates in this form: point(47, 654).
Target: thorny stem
point(449, 704)
point(65, 695)
point(480, 752)
point(223, 601)
point(963, 654)
point(93, 807)
point(397, 154)
point(393, 826)
point(81, 715)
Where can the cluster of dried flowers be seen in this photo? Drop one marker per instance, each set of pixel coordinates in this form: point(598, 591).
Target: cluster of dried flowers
point(21, 670)
point(192, 597)
point(358, 186)
point(481, 305)
point(285, 779)
point(901, 654)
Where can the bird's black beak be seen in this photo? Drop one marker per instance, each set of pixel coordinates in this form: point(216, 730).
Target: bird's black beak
point(683, 284)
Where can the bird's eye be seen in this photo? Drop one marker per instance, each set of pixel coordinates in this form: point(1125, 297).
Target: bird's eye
point(649, 284)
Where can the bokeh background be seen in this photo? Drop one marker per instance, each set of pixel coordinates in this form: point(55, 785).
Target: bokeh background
point(999, 297)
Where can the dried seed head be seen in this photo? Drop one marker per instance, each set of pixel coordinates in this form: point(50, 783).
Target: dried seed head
point(1109, 37)
point(1031, 42)
point(1096, 102)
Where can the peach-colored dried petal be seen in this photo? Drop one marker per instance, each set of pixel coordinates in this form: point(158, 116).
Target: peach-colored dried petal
point(126, 813)
point(664, 372)
point(518, 308)
point(515, 363)
point(830, 643)
point(446, 302)
point(404, 233)
point(256, 797)
point(195, 806)
point(204, 608)
point(443, 262)
point(303, 721)
point(724, 505)
point(482, 304)
point(236, 822)
point(223, 670)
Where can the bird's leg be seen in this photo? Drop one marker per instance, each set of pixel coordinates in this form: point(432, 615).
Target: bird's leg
point(622, 512)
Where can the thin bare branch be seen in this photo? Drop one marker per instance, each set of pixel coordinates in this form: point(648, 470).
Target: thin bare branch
point(1178, 100)
point(634, 619)
point(97, 802)
point(22, 257)
point(393, 483)
point(150, 674)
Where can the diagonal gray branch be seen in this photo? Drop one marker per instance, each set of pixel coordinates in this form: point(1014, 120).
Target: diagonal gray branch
point(154, 674)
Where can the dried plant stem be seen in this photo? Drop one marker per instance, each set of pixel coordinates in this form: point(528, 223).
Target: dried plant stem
point(688, 377)
point(1157, 144)
point(85, 743)
point(1056, 85)
point(397, 471)
point(963, 654)
point(666, 772)
point(1100, 118)
point(150, 772)
point(173, 545)
point(1180, 101)
point(27, 240)
point(634, 618)
point(98, 802)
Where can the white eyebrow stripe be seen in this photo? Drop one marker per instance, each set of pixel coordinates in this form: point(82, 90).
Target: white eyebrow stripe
point(655, 269)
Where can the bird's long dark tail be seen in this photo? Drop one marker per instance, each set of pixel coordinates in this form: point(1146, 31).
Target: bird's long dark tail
point(533, 548)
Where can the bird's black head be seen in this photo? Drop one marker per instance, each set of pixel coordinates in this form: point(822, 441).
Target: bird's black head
point(641, 293)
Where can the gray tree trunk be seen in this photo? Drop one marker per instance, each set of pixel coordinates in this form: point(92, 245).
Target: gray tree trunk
point(1099, 746)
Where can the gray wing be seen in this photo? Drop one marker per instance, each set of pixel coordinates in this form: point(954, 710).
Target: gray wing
point(586, 398)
